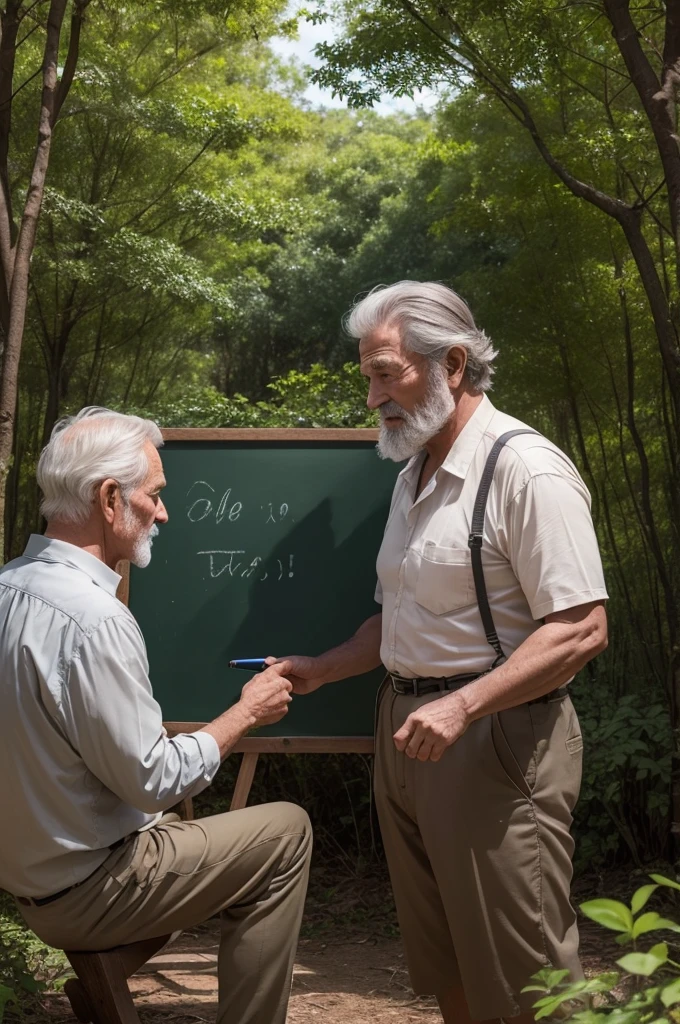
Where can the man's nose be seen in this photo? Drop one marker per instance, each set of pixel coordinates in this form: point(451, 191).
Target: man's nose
point(161, 512)
point(376, 395)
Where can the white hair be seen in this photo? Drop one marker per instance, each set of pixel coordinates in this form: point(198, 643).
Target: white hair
point(431, 319)
point(86, 449)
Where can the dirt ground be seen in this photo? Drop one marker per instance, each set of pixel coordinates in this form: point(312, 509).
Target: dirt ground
point(361, 981)
point(349, 969)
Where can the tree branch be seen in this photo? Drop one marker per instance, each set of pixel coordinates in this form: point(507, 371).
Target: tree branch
point(657, 96)
point(505, 91)
point(170, 186)
point(71, 57)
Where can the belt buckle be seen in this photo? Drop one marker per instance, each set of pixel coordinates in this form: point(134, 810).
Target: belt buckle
point(400, 685)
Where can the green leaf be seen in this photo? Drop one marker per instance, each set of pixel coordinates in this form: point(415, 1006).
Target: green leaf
point(549, 1008)
point(645, 963)
point(6, 996)
point(668, 882)
point(624, 1016)
point(31, 984)
point(610, 914)
point(547, 979)
point(600, 983)
point(670, 995)
point(649, 922)
point(641, 896)
point(589, 1017)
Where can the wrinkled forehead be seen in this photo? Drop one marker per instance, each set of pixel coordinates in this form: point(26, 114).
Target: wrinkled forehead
point(382, 347)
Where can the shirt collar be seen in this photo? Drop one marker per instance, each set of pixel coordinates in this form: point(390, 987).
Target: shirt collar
point(463, 449)
point(47, 549)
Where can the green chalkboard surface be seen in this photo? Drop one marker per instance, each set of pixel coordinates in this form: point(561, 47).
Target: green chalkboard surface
point(270, 549)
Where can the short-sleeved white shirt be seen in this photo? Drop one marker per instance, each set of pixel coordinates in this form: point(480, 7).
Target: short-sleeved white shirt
point(540, 552)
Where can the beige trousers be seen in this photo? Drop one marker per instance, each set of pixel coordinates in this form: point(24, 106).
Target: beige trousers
point(251, 865)
point(479, 851)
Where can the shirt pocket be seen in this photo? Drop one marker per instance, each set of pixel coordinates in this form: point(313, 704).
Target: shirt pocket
point(445, 580)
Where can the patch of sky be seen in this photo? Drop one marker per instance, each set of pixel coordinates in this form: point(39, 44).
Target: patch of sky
point(302, 51)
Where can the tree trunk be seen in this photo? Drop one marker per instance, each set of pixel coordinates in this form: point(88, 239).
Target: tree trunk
point(51, 100)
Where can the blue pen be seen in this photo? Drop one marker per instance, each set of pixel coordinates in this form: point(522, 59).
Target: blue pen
point(256, 664)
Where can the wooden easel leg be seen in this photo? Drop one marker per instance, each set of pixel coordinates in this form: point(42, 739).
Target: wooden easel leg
point(246, 774)
point(185, 809)
point(101, 993)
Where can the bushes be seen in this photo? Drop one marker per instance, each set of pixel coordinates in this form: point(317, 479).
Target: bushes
point(336, 791)
point(641, 1002)
point(22, 957)
point(624, 806)
point(319, 398)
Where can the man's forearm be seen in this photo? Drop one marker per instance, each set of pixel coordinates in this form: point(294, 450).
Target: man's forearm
point(230, 727)
point(359, 654)
point(548, 658)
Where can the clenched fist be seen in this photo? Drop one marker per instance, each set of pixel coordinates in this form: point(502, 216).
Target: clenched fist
point(267, 695)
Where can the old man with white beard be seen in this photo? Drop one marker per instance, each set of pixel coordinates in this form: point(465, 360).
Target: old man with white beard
point(88, 771)
point(492, 596)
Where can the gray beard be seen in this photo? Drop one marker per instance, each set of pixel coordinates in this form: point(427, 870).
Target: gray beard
point(141, 552)
point(426, 420)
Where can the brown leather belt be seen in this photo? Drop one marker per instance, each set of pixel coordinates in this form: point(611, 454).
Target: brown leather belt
point(430, 684)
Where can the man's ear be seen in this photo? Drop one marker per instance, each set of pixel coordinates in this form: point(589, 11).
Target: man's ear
point(108, 497)
point(456, 361)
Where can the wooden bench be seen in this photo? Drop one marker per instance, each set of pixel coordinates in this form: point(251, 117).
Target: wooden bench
point(99, 993)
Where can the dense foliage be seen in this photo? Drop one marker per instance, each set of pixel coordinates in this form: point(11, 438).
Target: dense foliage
point(203, 232)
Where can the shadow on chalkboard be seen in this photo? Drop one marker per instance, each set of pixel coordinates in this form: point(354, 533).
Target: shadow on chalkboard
point(326, 610)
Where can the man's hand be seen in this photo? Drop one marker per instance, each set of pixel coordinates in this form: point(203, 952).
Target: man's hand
point(304, 673)
point(265, 698)
point(427, 732)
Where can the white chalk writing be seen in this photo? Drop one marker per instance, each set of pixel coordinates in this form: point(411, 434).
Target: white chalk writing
point(201, 505)
point(230, 561)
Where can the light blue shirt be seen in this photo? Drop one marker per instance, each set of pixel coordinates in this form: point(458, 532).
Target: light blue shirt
point(84, 757)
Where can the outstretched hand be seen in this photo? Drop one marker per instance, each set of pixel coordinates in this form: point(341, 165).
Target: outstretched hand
point(302, 672)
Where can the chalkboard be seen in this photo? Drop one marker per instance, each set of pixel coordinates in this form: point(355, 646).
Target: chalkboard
point(270, 548)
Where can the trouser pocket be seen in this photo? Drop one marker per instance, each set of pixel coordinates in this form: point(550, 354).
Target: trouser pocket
point(514, 743)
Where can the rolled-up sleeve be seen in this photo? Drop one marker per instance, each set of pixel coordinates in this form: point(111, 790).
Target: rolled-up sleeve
point(114, 722)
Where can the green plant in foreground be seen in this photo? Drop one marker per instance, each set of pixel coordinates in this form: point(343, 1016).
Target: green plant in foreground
point(27, 966)
point(6, 996)
point(644, 1003)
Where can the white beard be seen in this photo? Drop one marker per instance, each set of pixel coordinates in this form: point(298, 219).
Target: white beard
point(141, 552)
point(426, 420)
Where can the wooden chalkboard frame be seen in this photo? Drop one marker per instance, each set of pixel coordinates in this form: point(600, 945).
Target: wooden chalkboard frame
point(252, 746)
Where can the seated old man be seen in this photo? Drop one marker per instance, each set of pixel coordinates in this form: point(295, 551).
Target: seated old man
point(87, 768)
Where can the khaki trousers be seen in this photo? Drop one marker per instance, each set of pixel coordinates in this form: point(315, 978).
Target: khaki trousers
point(479, 851)
point(251, 865)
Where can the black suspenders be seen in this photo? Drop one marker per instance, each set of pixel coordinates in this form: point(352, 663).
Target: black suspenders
point(477, 536)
